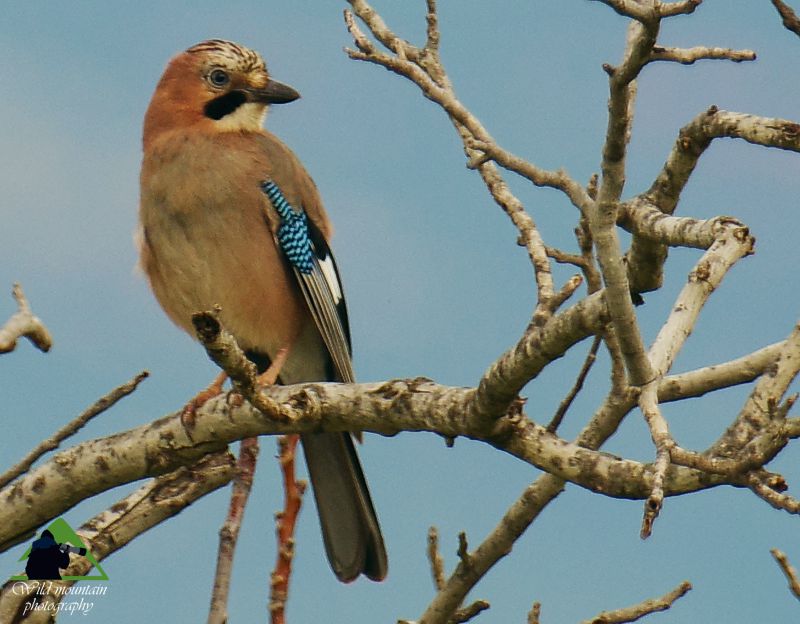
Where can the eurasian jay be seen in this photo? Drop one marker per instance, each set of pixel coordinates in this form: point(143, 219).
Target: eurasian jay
point(230, 216)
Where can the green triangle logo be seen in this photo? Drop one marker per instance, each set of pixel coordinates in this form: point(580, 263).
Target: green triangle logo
point(64, 540)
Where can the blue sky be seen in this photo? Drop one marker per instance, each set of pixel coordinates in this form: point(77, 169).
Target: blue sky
point(435, 283)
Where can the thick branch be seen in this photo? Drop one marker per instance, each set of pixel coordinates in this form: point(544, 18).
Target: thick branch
point(53, 442)
point(761, 407)
point(153, 503)
point(705, 277)
point(646, 220)
point(387, 408)
point(506, 377)
point(695, 137)
point(703, 380)
point(646, 258)
point(603, 217)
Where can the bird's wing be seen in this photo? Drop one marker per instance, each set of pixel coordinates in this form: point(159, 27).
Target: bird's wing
point(310, 257)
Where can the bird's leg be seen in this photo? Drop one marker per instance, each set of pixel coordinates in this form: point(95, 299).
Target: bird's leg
point(287, 518)
point(267, 378)
point(270, 376)
point(285, 522)
point(195, 403)
point(248, 456)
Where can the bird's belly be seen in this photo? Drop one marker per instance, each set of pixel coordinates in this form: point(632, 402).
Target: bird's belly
point(200, 259)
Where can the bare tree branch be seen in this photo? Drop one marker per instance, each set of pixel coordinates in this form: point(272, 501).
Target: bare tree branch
point(435, 559)
point(153, 503)
point(774, 498)
point(631, 614)
point(662, 438)
point(387, 408)
point(645, 220)
point(603, 216)
point(424, 68)
point(24, 324)
point(285, 522)
point(71, 428)
point(725, 375)
point(645, 259)
point(496, 546)
point(534, 613)
point(789, 17)
point(788, 571)
point(506, 377)
point(225, 352)
point(465, 614)
point(240, 493)
point(633, 9)
point(682, 7)
point(733, 244)
point(555, 422)
point(760, 409)
point(687, 56)
point(229, 532)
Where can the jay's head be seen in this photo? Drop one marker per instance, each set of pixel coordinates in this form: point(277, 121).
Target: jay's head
point(215, 86)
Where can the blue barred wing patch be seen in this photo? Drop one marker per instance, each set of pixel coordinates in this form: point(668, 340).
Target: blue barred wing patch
point(293, 234)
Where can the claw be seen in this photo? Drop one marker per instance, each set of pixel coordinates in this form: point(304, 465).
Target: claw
point(189, 411)
point(270, 376)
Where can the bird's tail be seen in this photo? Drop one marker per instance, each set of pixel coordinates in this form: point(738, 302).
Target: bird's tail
point(350, 530)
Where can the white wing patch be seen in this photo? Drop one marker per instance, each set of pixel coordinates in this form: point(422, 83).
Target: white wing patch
point(329, 272)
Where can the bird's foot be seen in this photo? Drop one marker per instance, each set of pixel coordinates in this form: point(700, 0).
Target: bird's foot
point(189, 411)
point(270, 376)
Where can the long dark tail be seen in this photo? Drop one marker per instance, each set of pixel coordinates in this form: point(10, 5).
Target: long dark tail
point(350, 530)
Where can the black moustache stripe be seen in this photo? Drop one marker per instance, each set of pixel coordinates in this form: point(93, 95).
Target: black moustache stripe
point(224, 105)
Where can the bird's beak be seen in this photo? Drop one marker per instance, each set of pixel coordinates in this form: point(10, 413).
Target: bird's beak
point(273, 93)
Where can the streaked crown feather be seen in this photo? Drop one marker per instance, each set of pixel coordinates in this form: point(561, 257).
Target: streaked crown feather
point(230, 55)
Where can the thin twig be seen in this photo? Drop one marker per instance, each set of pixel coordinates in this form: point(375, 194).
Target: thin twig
point(424, 68)
point(435, 558)
point(687, 56)
point(659, 431)
point(229, 532)
point(71, 428)
point(465, 614)
point(789, 17)
point(773, 497)
point(555, 422)
point(646, 607)
point(788, 571)
point(24, 324)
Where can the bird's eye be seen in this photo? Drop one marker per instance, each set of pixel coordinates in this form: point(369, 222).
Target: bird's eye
point(218, 78)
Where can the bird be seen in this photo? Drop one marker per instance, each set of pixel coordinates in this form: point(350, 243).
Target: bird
point(230, 217)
